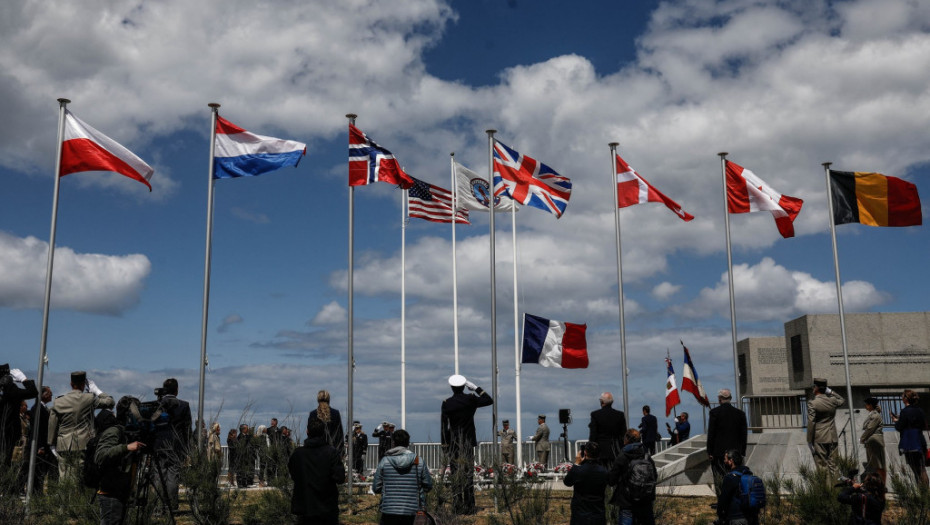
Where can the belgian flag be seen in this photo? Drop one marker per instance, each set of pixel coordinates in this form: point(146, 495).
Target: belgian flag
point(874, 199)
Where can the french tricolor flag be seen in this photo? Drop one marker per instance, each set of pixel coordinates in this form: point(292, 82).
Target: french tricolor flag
point(83, 148)
point(239, 153)
point(554, 343)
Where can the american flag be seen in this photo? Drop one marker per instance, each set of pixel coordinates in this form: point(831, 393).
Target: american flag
point(529, 181)
point(426, 201)
point(370, 163)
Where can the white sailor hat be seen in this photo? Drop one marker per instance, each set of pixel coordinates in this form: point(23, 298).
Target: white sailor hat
point(457, 380)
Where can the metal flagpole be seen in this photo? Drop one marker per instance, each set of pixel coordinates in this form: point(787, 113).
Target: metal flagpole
point(726, 221)
point(613, 189)
point(206, 273)
point(351, 313)
point(516, 336)
point(403, 309)
point(839, 300)
point(491, 133)
point(455, 284)
point(62, 109)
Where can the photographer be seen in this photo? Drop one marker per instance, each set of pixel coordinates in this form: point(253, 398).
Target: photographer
point(729, 503)
point(172, 438)
point(589, 478)
point(114, 458)
point(867, 500)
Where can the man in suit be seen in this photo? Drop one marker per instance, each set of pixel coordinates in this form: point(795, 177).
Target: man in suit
point(508, 436)
point(45, 460)
point(172, 440)
point(726, 430)
point(607, 428)
point(458, 439)
point(71, 423)
point(649, 430)
point(11, 400)
point(821, 426)
point(541, 438)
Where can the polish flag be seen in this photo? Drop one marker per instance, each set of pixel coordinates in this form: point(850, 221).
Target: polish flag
point(671, 389)
point(747, 193)
point(632, 189)
point(86, 149)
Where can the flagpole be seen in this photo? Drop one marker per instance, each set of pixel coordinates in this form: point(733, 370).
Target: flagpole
point(726, 221)
point(351, 313)
point(62, 109)
point(613, 189)
point(455, 284)
point(491, 204)
point(214, 107)
point(839, 301)
point(516, 333)
point(403, 309)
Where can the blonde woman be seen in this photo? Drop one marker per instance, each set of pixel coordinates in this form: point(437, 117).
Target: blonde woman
point(332, 422)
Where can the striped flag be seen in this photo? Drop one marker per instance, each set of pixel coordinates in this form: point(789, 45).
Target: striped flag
point(874, 199)
point(240, 153)
point(747, 193)
point(672, 398)
point(690, 380)
point(83, 148)
point(529, 181)
point(632, 189)
point(426, 201)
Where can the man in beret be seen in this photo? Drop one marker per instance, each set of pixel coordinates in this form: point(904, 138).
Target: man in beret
point(459, 440)
point(71, 423)
point(821, 426)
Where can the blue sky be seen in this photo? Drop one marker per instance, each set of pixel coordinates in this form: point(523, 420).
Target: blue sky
point(782, 86)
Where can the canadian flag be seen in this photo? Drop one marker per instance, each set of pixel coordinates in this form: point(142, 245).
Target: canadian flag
point(672, 398)
point(632, 189)
point(747, 193)
point(86, 149)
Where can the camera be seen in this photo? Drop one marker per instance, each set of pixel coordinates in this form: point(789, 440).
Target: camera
point(160, 392)
point(848, 479)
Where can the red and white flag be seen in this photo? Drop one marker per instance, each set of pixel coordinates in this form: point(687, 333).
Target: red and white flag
point(747, 193)
point(632, 189)
point(690, 381)
point(86, 149)
point(671, 389)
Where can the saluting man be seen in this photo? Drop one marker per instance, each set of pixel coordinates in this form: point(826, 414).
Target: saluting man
point(507, 436)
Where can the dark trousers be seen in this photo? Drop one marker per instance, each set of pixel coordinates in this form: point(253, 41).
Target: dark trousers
point(397, 519)
point(359, 460)
point(462, 471)
point(111, 510)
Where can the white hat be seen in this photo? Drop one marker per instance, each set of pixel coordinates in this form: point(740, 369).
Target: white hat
point(457, 380)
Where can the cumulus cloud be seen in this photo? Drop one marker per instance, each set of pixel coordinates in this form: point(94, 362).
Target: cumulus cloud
point(769, 291)
point(665, 289)
point(331, 313)
point(85, 282)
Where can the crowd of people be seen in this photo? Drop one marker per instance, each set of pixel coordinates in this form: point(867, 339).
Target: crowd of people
point(81, 426)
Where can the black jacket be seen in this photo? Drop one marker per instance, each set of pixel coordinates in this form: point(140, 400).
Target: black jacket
point(649, 428)
point(617, 476)
point(866, 508)
point(590, 482)
point(317, 471)
point(607, 428)
point(12, 397)
point(458, 417)
point(334, 433)
point(726, 429)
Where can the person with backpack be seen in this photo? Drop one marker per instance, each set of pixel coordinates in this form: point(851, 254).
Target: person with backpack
point(402, 480)
point(634, 475)
point(867, 500)
point(113, 457)
point(589, 479)
point(742, 494)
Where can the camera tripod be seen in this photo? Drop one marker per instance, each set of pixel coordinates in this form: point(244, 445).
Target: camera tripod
point(146, 472)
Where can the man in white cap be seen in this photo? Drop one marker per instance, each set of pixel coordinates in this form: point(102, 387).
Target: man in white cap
point(459, 441)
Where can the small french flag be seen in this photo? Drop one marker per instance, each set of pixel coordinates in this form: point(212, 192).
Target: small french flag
point(239, 153)
point(554, 343)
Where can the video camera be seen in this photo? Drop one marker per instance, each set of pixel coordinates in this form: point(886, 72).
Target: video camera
point(848, 479)
point(148, 420)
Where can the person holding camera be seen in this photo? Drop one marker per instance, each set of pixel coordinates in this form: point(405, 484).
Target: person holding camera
point(634, 475)
point(729, 503)
point(867, 500)
point(402, 479)
point(172, 439)
point(682, 430)
point(114, 458)
point(317, 471)
point(11, 398)
point(589, 479)
point(71, 423)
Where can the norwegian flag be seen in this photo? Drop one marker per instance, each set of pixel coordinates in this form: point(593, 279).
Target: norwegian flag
point(426, 201)
point(747, 193)
point(672, 398)
point(529, 182)
point(632, 189)
point(690, 381)
point(370, 163)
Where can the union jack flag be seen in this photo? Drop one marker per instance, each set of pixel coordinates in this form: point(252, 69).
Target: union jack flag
point(426, 201)
point(529, 182)
point(370, 163)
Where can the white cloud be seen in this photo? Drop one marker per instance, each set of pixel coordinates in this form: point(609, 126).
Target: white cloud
point(665, 290)
point(768, 291)
point(331, 313)
point(86, 282)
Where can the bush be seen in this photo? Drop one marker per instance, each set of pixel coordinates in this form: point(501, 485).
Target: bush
point(912, 498)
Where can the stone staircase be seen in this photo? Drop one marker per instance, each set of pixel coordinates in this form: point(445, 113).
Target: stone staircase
point(685, 463)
